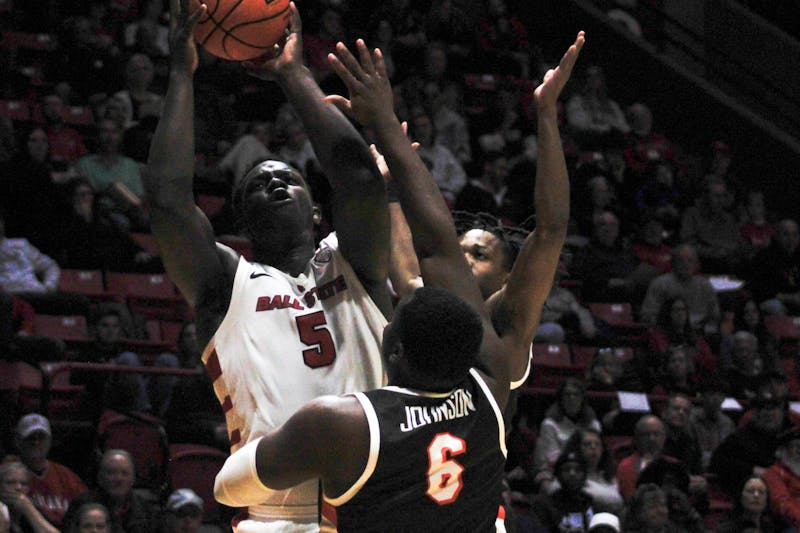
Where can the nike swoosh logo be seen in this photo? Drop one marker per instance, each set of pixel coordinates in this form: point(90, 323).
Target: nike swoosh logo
point(254, 275)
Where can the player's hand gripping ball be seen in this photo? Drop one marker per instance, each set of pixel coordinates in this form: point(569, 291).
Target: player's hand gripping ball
point(241, 29)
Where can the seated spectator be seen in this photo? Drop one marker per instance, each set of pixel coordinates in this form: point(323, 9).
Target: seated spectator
point(137, 99)
point(648, 441)
point(253, 146)
point(609, 272)
point(294, 145)
point(569, 508)
point(783, 479)
point(751, 450)
point(563, 317)
point(29, 274)
point(184, 513)
point(773, 275)
point(320, 38)
point(751, 510)
point(17, 339)
point(569, 413)
point(746, 366)
point(148, 34)
point(747, 317)
point(23, 514)
point(672, 476)
point(449, 123)
point(604, 523)
point(67, 145)
point(710, 423)
point(91, 517)
point(129, 511)
point(682, 442)
point(648, 512)
point(684, 282)
point(120, 391)
point(649, 246)
point(188, 403)
point(676, 373)
point(592, 201)
point(503, 43)
point(713, 230)
point(486, 193)
point(601, 483)
point(115, 175)
point(673, 328)
point(52, 485)
point(445, 168)
point(92, 239)
point(594, 118)
point(659, 196)
point(643, 146)
point(29, 196)
point(24, 270)
point(756, 229)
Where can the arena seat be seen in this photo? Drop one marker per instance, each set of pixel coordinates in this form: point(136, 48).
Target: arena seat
point(195, 466)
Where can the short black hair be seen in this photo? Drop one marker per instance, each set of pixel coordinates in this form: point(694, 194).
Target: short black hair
point(239, 190)
point(511, 237)
point(441, 335)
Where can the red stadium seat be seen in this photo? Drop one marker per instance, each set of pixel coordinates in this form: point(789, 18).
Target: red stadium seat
point(152, 295)
point(15, 110)
point(66, 327)
point(86, 282)
point(144, 438)
point(195, 466)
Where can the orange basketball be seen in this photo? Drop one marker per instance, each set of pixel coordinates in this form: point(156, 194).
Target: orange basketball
point(241, 29)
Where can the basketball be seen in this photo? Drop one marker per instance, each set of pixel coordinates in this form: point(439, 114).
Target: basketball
point(240, 29)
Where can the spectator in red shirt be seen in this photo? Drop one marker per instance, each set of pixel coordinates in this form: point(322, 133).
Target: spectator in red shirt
point(52, 485)
point(66, 144)
point(783, 479)
point(648, 439)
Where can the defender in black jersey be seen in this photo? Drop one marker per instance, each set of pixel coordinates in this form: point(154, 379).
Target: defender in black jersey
point(425, 453)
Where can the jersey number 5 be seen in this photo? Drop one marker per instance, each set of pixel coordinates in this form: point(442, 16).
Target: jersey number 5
point(314, 333)
point(444, 474)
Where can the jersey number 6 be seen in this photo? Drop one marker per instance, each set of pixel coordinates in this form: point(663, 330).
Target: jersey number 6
point(314, 333)
point(444, 474)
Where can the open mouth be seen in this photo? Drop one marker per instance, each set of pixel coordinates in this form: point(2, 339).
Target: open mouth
point(278, 195)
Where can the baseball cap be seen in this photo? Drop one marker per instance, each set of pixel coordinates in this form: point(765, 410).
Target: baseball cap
point(183, 497)
point(604, 521)
point(31, 423)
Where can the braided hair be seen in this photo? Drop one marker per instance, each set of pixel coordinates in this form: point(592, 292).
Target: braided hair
point(511, 237)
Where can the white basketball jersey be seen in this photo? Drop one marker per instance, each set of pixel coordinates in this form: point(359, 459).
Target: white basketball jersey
point(286, 340)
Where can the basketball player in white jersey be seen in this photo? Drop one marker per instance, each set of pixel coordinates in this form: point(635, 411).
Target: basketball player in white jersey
point(299, 321)
point(393, 459)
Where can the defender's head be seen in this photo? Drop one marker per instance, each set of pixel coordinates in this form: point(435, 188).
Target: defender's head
point(432, 341)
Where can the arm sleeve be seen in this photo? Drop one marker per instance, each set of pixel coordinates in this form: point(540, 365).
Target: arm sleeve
point(237, 484)
point(45, 267)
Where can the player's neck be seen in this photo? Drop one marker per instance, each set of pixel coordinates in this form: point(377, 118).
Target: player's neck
point(292, 260)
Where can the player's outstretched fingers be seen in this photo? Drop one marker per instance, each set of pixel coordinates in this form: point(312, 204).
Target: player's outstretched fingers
point(365, 57)
point(343, 72)
point(349, 61)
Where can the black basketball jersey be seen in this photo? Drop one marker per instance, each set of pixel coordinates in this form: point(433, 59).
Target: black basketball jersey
point(436, 462)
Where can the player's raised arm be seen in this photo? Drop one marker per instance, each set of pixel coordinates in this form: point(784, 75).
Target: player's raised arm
point(184, 235)
point(516, 308)
point(359, 195)
point(440, 258)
